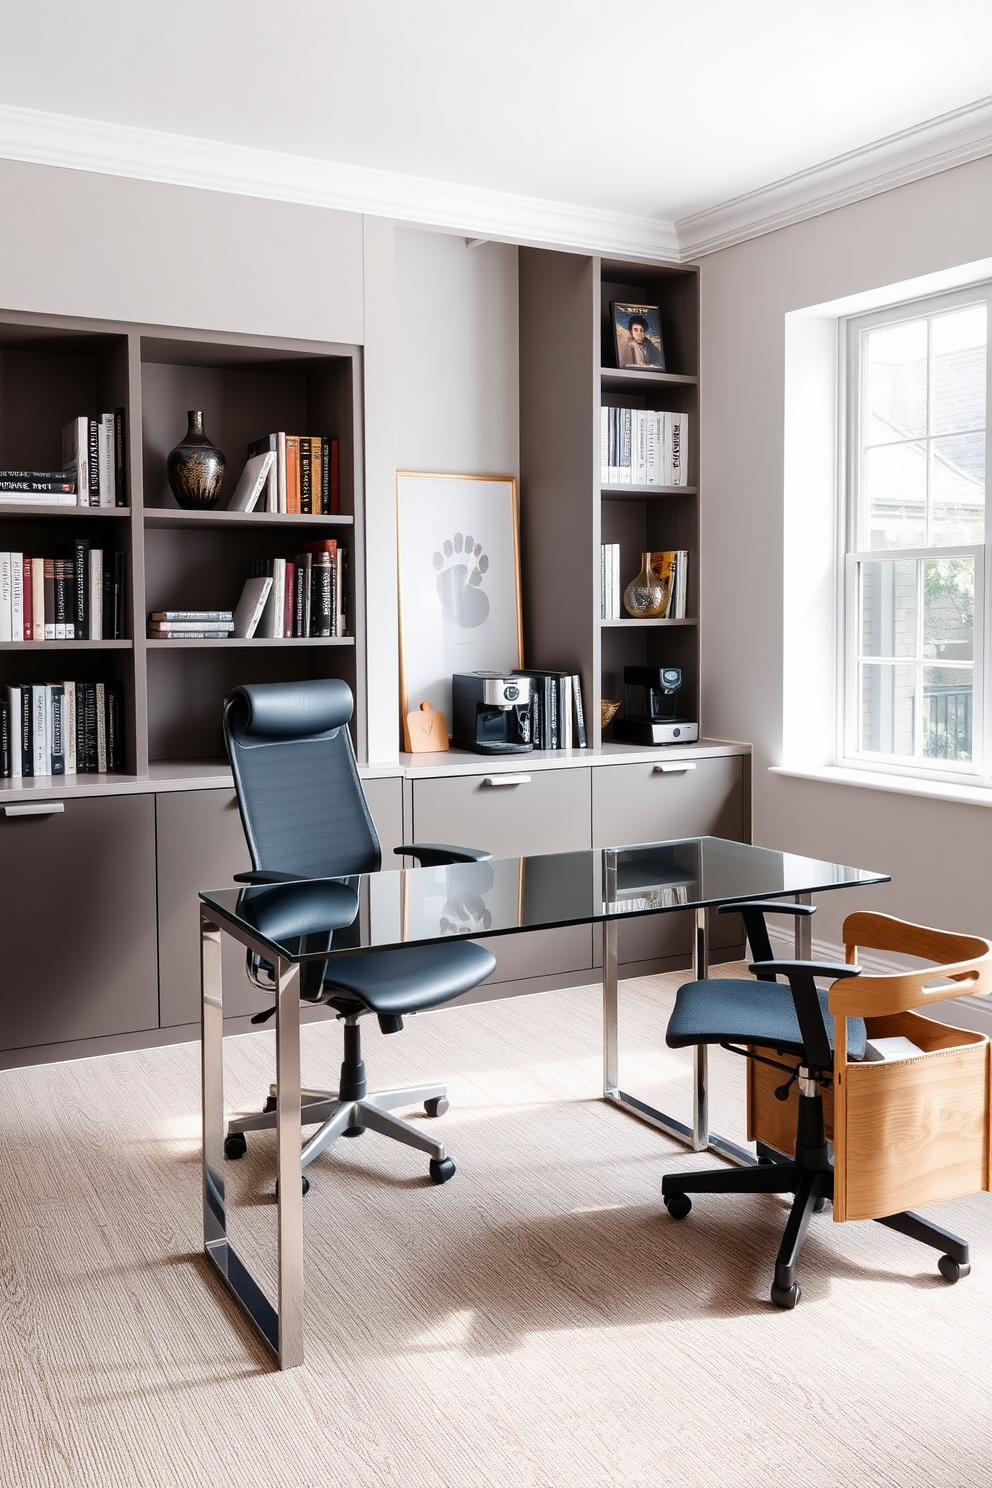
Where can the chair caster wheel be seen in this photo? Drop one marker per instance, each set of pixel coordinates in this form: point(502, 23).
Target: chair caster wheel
point(306, 1187)
point(235, 1146)
point(436, 1107)
point(952, 1270)
point(678, 1205)
point(786, 1297)
point(819, 1205)
point(442, 1169)
point(270, 1105)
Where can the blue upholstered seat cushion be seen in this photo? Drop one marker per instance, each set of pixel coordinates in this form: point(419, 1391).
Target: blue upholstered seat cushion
point(748, 1012)
point(407, 980)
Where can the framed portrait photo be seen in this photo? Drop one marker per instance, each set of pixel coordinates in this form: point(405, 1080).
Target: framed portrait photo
point(637, 334)
point(459, 582)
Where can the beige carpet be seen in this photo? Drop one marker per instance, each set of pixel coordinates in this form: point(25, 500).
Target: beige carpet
point(537, 1321)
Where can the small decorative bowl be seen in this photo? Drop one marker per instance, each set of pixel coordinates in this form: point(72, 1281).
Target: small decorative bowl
point(607, 708)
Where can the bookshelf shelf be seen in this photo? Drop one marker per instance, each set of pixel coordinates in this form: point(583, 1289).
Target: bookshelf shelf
point(641, 493)
point(629, 623)
point(66, 513)
point(230, 643)
point(39, 649)
point(629, 379)
point(166, 517)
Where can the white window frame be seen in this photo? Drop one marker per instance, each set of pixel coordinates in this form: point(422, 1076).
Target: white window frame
point(849, 753)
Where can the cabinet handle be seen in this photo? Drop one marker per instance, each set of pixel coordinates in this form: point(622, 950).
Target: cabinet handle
point(506, 780)
point(674, 768)
point(36, 808)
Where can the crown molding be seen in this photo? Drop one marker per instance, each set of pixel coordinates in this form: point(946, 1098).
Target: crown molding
point(924, 150)
point(40, 138)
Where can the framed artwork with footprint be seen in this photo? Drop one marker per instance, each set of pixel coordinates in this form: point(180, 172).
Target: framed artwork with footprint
point(459, 582)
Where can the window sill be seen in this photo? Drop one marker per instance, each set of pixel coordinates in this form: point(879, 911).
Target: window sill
point(903, 785)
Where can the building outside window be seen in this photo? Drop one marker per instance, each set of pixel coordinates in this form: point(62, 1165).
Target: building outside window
point(916, 647)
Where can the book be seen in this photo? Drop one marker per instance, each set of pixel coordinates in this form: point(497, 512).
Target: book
point(207, 627)
point(107, 461)
point(581, 737)
point(188, 635)
point(48, 596)
point(51, 498)
point(13, 697)
point(334, 492)
point(6, 597)
point(39, 730)
point(114, 725)
point(120, 460)
point(227, 615)
point(95, 594)
point(45, 486)
point(27, 730)
point(254, 479)
point(317, 474)
point(93, 459)
point(56, 727)
point(322, 595)
point(86, 728)
point(292, 472)
point(266, 446)
point(76, 457)
point(69, 725)
point(65, 629)
point(5, 738)
point(101, 728)
point(288, 598)
point(77, 554)
point(306, 470)
point(248, 611)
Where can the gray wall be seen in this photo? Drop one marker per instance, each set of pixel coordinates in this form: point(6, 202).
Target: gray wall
point(937, 852)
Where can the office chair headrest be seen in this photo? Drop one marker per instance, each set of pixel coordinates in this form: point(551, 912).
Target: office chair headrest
point(291, 710)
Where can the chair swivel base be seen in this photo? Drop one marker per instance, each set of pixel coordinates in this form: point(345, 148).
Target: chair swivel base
point(809, 1176)
point(352, 1117)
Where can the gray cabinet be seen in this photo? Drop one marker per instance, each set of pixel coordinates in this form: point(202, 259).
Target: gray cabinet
point(664, 799)
point(77, 920)
point(546, 811)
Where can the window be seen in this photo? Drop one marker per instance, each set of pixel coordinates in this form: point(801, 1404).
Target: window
point(916, 649)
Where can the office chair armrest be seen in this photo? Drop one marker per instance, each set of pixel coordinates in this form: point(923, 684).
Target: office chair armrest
point(767, 906)
point(266, 876)
point(806, 969)
point(438, 854)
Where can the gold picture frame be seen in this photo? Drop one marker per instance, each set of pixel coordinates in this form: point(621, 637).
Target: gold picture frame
point(458, 581)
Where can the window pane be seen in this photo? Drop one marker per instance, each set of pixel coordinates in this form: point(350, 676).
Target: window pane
point(959, 371)
point(947, 713)
point(957, 490)
point(949, 609)
point(888, 608)
point(896, 495)
point(895, 362)
point(887, 708)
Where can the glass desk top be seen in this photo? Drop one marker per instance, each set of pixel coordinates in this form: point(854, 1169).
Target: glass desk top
point(311, 918)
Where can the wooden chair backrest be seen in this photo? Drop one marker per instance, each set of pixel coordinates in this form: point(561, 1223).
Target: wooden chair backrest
point(963, 961)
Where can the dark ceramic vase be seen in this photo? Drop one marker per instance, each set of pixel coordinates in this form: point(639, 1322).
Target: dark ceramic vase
point(196, 468)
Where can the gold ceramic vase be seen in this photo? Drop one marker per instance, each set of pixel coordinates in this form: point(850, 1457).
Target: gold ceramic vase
point(644, 597)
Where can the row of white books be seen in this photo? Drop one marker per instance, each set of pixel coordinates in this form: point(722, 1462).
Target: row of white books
point(671, 567)
point(642, 447)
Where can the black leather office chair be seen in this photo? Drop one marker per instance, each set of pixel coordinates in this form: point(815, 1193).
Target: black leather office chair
point(771, 1024)
point(305, 817)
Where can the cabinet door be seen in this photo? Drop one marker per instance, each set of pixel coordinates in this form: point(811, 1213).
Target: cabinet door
point(77, 921)
point(385, 801)
point(201, 845)
point(645, 803)
point(547, 812)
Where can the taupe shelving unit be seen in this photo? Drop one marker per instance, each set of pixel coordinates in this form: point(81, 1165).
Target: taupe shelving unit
point(54, 368)
point(118, 858)
point(567, 374)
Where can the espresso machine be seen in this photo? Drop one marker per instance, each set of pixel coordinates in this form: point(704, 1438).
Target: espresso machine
point(491, 713)
point(651, 713)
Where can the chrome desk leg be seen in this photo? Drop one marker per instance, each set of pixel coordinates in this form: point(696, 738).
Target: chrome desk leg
point(282, 1330)
point(697, 1136)
point(289, 1140)
point(804, 931)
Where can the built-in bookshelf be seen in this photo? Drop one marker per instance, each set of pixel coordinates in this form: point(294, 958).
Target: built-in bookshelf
point(568, 373)
point(53, 369)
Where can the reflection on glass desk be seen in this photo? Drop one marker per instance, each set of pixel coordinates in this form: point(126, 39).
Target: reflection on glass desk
point(309, 920)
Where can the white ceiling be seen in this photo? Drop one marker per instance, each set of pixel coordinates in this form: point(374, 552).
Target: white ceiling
point(658, 109)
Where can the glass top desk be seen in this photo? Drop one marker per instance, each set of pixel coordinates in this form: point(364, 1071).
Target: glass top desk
point(291, 924)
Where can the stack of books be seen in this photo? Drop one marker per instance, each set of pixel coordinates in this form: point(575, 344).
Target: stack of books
point(672, 568)
point(641, 447)
point(76, 596)
point(61, 728)
point(609, 581)
point(190, 625)
point(557, 717)
point(306, 475)
point(93, 455)
point(43, 487)
point(308, 592)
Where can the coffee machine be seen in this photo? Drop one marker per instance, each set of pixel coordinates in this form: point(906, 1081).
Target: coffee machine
point(651, 708)
point(491, 713)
